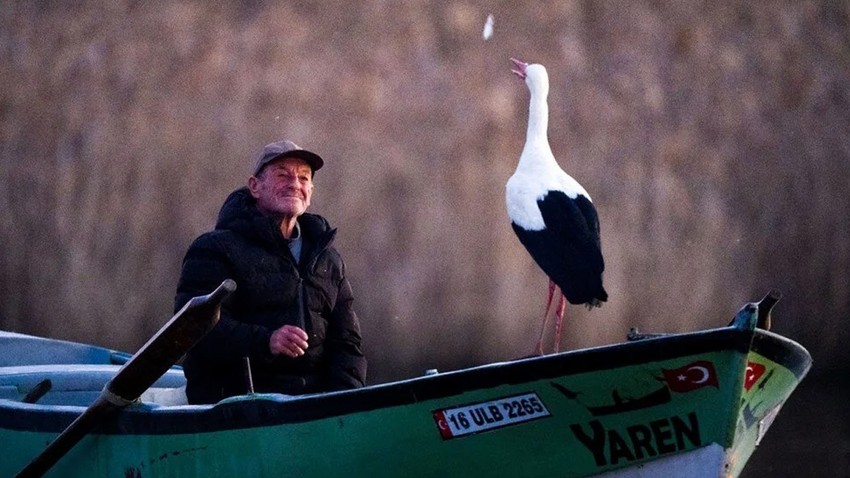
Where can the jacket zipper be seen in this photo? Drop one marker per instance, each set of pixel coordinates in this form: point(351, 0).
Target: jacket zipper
point(302, 288)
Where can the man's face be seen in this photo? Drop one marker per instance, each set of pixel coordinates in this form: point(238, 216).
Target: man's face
point(283, 188)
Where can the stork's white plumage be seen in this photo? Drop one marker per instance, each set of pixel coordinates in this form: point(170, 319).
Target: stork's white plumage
point(552, 214)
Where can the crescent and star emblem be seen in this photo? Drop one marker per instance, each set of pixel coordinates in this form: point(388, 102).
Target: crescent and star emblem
point(702, 370)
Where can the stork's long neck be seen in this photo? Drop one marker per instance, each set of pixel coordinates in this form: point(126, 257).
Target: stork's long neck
point(538, 118)
point(537, 152)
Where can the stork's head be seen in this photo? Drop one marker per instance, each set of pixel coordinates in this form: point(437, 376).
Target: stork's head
point(519, 68)
point(535, 75)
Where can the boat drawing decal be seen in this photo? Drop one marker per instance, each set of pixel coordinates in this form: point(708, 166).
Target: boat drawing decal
point(691, 377)
point(638, 441)
point(620, 404)
point(482, 416)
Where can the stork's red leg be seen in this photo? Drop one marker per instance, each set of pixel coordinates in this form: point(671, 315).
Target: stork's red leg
point(539, 349)
point(559, 320)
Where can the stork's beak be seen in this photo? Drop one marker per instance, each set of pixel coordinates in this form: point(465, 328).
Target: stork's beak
point(519, 68)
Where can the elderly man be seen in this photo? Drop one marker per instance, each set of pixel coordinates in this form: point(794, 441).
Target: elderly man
point(292, 312)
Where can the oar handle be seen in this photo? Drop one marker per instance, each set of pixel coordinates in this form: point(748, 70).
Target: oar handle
point(164, 349)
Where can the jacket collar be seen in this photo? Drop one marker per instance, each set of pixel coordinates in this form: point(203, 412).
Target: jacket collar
point(239, 213)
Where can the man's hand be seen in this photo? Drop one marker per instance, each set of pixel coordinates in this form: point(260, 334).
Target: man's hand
point(288, 340)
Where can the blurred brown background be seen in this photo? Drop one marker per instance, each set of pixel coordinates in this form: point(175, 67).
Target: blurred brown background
point(713, 137)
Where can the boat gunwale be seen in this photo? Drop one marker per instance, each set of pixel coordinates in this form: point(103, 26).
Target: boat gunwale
point(275, 409)
point(783, 351)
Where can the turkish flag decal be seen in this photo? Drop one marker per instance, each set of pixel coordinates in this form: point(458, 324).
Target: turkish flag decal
point(442, 425)
point(754, 372)
point(691, 376)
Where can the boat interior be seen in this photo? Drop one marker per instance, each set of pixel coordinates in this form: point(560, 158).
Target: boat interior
point(55, 372)
point(80, 385)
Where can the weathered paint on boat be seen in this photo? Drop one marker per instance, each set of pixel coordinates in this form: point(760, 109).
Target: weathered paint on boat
point(696, 403)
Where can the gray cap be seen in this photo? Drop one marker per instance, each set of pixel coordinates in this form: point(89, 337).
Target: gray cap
point(287, 149)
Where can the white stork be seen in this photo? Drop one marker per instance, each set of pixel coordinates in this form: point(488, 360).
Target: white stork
point(552, 214)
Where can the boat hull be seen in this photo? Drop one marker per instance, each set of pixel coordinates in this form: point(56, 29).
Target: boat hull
point(699, 401)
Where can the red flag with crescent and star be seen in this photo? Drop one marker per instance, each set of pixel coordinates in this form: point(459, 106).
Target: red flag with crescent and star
point(442, 425)
point(753, 374)
point(691, 376)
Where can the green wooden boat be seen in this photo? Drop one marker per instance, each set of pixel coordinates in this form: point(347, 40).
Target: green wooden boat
point(692, 404)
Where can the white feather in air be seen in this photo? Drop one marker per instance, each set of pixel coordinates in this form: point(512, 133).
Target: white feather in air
point(488, 27)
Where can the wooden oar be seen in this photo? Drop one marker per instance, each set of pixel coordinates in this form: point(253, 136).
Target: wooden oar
point(160, 353)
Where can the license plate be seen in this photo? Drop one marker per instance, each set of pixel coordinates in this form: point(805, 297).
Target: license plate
point(478, 417)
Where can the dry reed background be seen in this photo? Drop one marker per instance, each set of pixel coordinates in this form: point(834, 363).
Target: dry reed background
point(713, 136)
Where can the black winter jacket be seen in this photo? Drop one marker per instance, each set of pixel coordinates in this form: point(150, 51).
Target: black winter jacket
point(272, 290)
